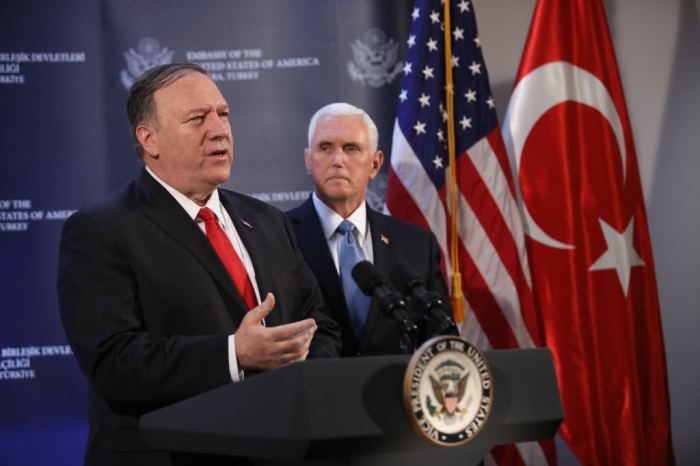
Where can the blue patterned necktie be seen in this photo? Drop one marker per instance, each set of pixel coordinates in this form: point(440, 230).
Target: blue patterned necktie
point(350, 254)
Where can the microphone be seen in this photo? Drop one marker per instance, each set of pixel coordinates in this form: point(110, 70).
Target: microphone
point(407, 281)
point(372, 283)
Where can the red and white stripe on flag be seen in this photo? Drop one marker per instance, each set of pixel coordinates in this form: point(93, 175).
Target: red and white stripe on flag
point(568, 134)
point(493, 261)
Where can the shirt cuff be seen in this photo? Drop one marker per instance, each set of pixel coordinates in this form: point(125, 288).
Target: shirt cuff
point(236, 375)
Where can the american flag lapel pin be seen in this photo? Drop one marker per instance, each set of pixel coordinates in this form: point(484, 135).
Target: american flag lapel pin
point(384, 239)
point(247, 224)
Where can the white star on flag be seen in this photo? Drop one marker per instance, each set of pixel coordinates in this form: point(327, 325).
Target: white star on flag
point(416, 13)
point(620, 254)
point(407, 68)
point(463, 6)
point(458, 33)
point(475, 67)
point(435, 17)
point(411, 41)
point(470, 95)
point(477, 41)
point(404, 95)
point(428, 72)
point(454, 61)
point(490, 102)
point(424, 100)
point(420, 128)
point(465, 122)
point(432, 45)
point(438, 162)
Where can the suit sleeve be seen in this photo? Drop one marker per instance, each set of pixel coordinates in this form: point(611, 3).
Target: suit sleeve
point(98, 294)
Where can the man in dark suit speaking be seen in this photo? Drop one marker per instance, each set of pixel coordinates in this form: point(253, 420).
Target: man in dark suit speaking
point(335, 228)
point(172, 287)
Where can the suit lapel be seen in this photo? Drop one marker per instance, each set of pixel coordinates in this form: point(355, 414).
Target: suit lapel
point(383, 252)
point(166, 213)
point(312, 239)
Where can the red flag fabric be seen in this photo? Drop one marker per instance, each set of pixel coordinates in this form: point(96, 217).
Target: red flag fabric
point(492, 258)
point(567, 132)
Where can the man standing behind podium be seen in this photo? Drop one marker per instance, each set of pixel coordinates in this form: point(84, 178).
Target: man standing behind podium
point(335, 229)
point(172, 287)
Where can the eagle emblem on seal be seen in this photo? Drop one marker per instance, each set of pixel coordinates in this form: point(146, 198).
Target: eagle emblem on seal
point(449, 386)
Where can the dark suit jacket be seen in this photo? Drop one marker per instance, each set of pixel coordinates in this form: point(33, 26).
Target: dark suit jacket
point(393, 241)
point(147, 305)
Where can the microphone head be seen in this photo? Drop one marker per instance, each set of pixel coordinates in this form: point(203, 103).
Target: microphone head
point(404, 277)
point(367, 276)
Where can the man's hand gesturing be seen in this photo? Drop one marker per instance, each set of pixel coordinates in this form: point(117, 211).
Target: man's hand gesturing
point(260, 348)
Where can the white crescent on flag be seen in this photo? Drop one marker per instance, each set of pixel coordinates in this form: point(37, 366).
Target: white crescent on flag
point(538, 92)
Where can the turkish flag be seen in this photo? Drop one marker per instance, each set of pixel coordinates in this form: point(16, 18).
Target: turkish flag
point(567, 132)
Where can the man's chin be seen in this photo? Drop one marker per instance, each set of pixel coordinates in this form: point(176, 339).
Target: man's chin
point(338, 188)
point(219, 178)
point(336, 196)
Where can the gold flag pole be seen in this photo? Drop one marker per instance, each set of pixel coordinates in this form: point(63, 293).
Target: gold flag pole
point(457, 297)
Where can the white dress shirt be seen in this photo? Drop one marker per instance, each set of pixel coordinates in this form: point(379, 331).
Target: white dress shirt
point(226, 223)
point(330, 220)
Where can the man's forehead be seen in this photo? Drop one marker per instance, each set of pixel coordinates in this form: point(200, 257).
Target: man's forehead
point(190, 92)
point(350, 128)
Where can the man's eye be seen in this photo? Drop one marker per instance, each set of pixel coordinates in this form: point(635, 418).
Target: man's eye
point(198, 118)
point(224, 114)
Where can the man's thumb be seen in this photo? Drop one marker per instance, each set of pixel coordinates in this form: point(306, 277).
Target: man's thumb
point(262, 310)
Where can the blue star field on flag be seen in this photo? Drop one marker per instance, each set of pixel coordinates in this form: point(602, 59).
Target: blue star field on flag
point(422, 113)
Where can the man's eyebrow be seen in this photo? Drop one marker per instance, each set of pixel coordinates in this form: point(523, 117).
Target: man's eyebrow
point(196, 111)
point(344, 144)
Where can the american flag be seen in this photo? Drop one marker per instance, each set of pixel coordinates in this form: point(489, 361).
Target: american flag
point(495, 278)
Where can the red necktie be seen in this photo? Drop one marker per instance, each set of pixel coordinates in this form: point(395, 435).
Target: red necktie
point(228, 256)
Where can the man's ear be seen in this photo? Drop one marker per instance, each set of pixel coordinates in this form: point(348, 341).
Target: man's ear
point(307, 159)
point(148, 139)
point(377, 161)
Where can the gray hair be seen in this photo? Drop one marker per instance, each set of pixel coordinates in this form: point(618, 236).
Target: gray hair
point(140, 104)
point(343, 109)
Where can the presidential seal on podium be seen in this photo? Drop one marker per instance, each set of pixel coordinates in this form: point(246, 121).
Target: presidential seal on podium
point(448, 391)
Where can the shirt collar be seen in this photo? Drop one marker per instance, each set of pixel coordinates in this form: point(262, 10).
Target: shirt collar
point(188, 204)
point(330, 219)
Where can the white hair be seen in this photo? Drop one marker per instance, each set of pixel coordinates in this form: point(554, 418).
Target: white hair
point(343, 109)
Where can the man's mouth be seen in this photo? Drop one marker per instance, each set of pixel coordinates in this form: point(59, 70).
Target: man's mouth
point(220, 153)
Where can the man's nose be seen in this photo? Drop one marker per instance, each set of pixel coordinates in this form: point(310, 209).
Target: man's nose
point(338, 157)
point(218, 126)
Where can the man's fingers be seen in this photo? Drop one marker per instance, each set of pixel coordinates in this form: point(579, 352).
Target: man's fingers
point(287, 331)
point(296, 345)
point(297, 358)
